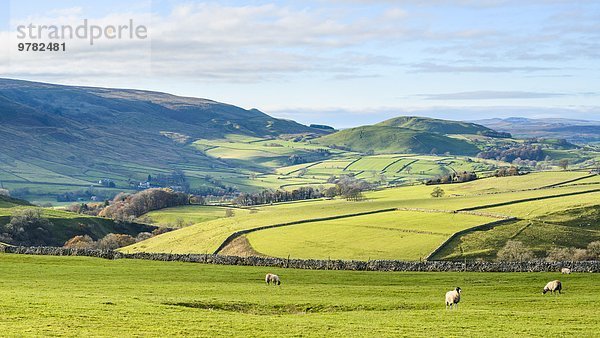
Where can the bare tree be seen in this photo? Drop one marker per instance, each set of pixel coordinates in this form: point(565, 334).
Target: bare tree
point(514, 251)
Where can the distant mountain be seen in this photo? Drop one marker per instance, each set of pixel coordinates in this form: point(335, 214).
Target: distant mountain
point(435, 125)
point(578, 131)
point(94, 133)
point(408, 135)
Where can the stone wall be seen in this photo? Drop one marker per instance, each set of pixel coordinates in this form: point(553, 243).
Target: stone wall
point(313, 264)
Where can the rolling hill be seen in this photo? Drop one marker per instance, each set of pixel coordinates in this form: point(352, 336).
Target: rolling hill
point(391, 139)
point(71, 137)
point(435, 125)
point(474, 220)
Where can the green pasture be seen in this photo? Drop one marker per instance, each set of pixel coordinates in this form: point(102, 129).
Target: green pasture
point(207, 236)
point(189, 214)
point(80, 296)
point(391, 235)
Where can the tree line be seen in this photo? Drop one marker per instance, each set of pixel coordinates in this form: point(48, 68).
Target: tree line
point(457, 177)
point(127, 207)
point(346, 187)
point(509, 154)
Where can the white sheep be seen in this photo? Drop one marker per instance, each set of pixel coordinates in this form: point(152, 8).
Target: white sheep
point(272, 278)
point(452, 298)
point(553, 286)
point(565, 271)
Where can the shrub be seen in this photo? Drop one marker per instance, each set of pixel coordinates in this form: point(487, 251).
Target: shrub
point(571, 254)
point(514, 251)
point(593, 250)
point(142, 236)
point(560, 255)
point(81, 242)
point(115, 241)
point(161, 230)
point(580, 255)
point(29, 227)
point(128, 207)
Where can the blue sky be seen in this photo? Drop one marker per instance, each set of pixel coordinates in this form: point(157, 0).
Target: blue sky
point(339, 62)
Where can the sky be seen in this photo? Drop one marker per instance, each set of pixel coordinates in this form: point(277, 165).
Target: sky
point(337, 62)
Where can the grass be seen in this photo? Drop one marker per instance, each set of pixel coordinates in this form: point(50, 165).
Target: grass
point(392, 235)
point(189, 214)
point(80, 296)
point(503, 184)
point(385, 139)
point(207, 236)
point(66, 225)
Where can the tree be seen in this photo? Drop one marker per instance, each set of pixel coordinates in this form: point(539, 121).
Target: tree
point(330, 192)
point(593, 250)
point(29, 227)
point(80, 242)
point(4, 192)
point(126, 207)
point(229, 213)
point(115, 241)
point(438, 192)
point(560, 255)
point(563, 164)
point(142, 236)
point(514, 251)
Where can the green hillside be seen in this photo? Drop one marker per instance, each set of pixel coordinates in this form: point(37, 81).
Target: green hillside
point(8, 202)
point(64, 225)
point(435, 125)
point(406, 222)
point(64, 138)
point(388, 139)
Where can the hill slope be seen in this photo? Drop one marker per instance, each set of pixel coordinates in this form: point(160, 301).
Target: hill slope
point(435, 125)
point(77, 135)
point(8, 202)
point(388, 139)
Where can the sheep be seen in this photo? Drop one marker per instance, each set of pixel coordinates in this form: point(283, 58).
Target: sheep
point(452, 298)
point(272, 278)
point(553, 286)
point(565, 271)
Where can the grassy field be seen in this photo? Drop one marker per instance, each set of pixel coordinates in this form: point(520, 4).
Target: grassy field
point(188, 215)
point(77, 296)
point(399, 238)
point(264, 164)
point(392, 235)
point(565, 222)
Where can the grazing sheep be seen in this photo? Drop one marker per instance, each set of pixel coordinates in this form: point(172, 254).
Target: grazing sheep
point(452, 298)
point(271, 278)
point(565, 271)
point(553, 286)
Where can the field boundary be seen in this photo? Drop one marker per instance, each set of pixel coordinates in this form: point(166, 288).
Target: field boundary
point(239, 233)
point(466, 231)
point(391, 164)
point(303, 168)
point(569, 181)
point(406, 166)
point(312, 264)
point(532, 199)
